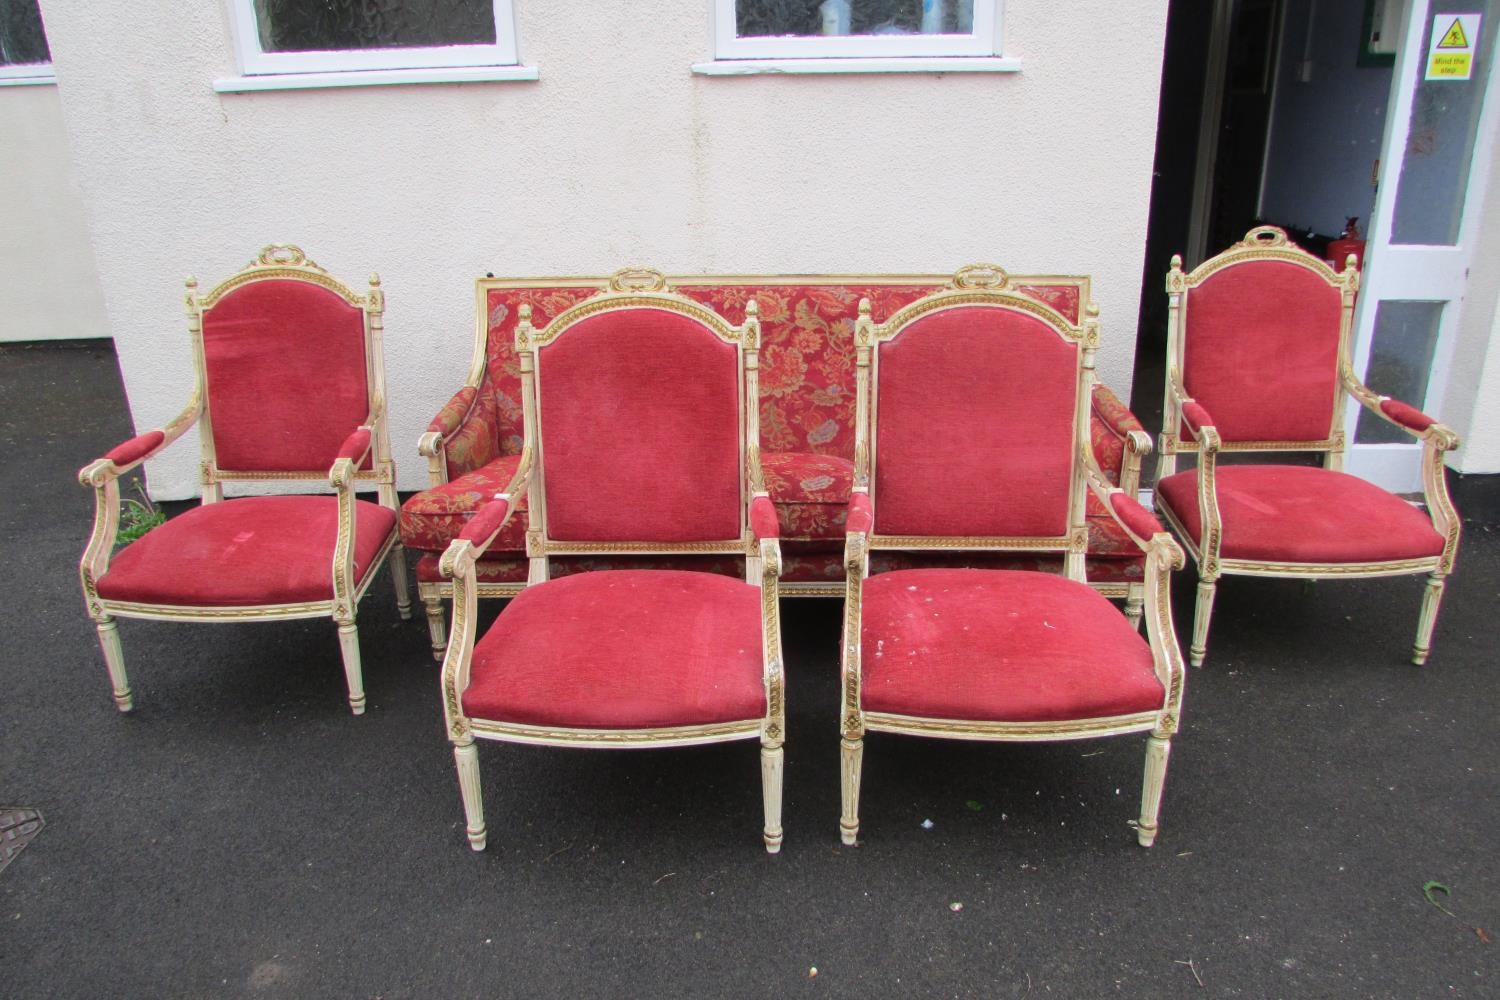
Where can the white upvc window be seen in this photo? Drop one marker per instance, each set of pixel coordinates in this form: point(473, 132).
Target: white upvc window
point(856, 29)
point(24, 55)
point(344, 36)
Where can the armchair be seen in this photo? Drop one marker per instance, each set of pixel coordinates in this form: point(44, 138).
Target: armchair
point(639, 442)
point(1258, 361)
point(972, 437)
point(290, 385)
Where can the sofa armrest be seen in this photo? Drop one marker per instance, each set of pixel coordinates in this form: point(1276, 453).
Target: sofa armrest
point(1125, 433)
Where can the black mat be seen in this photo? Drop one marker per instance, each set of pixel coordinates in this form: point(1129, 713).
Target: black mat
point(241, 833)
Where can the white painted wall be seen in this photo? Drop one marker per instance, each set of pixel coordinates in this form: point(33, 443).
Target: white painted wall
point(49, 288)
point(617, 156)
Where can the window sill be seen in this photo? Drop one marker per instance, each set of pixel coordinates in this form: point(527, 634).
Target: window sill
point(40, 80)
point(873, 64)
point(375, 78)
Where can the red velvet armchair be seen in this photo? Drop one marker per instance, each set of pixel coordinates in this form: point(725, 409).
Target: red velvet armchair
point(638, 445)
point(972, 438)
point(806, 413)
point(1258, 356)
point(290, 386)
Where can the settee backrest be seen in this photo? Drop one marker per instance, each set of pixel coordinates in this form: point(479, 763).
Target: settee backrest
point(807, 378)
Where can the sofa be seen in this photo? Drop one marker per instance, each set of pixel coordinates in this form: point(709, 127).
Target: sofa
point(807, 394)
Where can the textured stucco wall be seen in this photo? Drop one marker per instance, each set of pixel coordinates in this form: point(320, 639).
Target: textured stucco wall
point(49, 289)
point(618, 155)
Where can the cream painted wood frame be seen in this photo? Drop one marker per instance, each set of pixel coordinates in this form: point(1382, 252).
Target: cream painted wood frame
point(1270, 243)
point(274, 263)
point(988, 286)
point(636, 289)
point(433, 447)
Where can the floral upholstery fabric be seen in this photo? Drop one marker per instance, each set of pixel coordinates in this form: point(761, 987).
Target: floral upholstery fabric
point(811, 493)
point(433, 518)
point(512, 568)
point(807, 396)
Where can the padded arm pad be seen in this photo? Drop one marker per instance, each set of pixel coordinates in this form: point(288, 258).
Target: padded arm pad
point(861, 514)
point(763, 518)
point(1196, 417)
point(355, 446)
point(1112, 413)
point(486, 521)
point(1406, 415)
point(136, 448)
point(451, 416)
point(1135, 517)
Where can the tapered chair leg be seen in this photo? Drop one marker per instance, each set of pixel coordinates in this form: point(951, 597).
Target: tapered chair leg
point(770, 783)
point(852, 754)
point(1432, 597)
point(398, 578)
point(1201, 614)
point(466, 757)
point(349, 646)
point(437, 626)
point(114, 661)
point(1158, 747)
point(1135, 602)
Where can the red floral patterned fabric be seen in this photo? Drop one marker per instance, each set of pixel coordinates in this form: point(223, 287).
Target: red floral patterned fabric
point(1109, 424)
point(1063, 298)
point(810, 492)
point(453, 412)
point(433, 518)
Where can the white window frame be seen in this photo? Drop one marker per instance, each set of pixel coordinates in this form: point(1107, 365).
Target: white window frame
point(256, 62)
point(985, 40)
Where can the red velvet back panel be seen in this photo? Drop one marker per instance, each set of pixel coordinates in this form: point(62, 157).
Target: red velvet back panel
point(974, 426)
point(640, 429)
point(286, 375)
point(1261, 355)
point(806, 358)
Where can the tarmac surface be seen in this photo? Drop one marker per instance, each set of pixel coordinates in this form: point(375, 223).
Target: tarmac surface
point(241, 834)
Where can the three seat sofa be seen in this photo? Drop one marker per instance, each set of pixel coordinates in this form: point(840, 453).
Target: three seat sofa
point(807, 401)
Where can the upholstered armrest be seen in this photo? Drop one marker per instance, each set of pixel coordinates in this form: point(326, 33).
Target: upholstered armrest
point(351, 453)
point(861, 514)
point(1135, 444)
point(1403, 415)
point(122, 458)
point(432, 445)
point(763, 523)
point(486, 521)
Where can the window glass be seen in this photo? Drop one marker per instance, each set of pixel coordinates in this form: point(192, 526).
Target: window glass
point(299, 26)
point(22, 38)
point(761, 18)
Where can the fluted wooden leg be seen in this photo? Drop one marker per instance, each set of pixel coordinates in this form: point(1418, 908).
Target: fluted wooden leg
point(852, 754)
point(114, 661)
point(1201, 615)
point(349, 646)
point(398, 578)
point(466, 757)
point(1135, 602)
point(1158, 747)
point(1431, 598)
point(437, 626)
point(770, 785)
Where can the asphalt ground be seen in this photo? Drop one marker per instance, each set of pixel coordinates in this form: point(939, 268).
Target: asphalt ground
point(241, 834)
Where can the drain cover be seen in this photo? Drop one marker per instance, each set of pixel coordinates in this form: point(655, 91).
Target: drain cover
point(18, 827)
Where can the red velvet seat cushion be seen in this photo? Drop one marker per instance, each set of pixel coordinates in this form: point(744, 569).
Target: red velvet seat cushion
point(811, 493)
point(249, 551)
point(997, 645)
point(1300, 514)
point(433, 518)
point(631, 649)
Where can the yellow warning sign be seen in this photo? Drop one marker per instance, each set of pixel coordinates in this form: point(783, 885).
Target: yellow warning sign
point(1451, 56)
point(1454, 38)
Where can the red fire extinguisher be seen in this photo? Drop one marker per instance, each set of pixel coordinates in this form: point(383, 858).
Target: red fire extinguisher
point(1349, 243)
